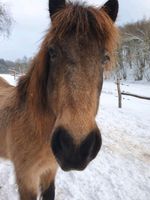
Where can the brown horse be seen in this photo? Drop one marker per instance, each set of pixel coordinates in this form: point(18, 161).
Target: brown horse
point(49, 117)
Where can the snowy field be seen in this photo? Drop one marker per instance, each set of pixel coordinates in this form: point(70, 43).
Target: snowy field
point(121, 171)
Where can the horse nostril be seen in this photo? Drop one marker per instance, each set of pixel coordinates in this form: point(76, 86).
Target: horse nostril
point(91, 145)
point(61, 142)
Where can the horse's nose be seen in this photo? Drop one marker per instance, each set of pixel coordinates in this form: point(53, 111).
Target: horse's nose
point(72, 156)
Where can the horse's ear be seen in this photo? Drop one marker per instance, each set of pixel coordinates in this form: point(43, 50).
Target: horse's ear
point(55, 5)
point(111, 7)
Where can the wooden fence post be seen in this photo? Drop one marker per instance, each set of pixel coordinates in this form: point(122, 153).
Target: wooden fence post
point(119, 93)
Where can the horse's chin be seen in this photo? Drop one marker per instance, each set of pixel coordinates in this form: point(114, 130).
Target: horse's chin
point(66, 167)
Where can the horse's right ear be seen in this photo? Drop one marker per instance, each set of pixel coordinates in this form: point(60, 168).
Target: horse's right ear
point(55, 5)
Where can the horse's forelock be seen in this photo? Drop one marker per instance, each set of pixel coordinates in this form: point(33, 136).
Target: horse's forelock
point(81, 20)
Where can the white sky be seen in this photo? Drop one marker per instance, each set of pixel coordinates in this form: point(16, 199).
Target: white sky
point(32, 19)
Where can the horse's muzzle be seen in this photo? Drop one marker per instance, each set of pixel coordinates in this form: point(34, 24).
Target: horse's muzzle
point(71, 156)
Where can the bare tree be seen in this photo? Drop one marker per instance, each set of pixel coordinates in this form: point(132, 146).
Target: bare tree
point(5, 20)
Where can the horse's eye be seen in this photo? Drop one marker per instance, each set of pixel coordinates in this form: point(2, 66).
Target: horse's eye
point(52, 54)
point(106, 58)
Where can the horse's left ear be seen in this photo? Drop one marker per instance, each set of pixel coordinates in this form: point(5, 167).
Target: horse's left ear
point(55, 5)
point(111, 7)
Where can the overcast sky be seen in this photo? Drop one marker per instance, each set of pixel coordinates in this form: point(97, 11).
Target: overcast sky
point(32, 19)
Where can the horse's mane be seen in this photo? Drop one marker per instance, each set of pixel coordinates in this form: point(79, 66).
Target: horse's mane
point(75, 19)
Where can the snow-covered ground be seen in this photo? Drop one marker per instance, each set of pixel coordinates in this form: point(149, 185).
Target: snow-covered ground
point(121, 171)
point(9, 78)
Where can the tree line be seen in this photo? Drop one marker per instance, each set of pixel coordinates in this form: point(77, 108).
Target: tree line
point(133, 56)
point(19, 66)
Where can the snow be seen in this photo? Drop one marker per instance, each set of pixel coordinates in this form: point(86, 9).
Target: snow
point(11, 79)
point(121, 171)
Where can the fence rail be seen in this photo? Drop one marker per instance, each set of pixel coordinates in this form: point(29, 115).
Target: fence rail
point(135, 95)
